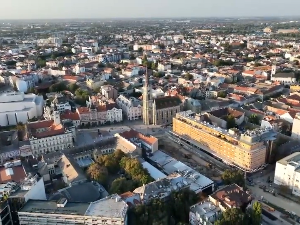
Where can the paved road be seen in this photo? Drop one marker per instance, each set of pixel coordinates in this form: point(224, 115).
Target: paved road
point(276, 200)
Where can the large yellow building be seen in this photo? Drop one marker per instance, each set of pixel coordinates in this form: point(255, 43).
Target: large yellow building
point(247, 151)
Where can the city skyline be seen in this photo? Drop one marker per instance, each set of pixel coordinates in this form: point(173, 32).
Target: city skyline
point(93, 9)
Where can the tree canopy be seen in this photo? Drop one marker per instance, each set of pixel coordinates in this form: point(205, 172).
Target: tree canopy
point(174, 211)
point(233, 176)
point(58, 87)
point(230, 122)
point(98, 173)
point(135, 170)
point(188, 76)
point(254, 119)
point(252, 216)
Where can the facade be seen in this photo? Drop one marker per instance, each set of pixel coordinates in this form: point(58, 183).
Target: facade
point(99, 112)
point(18, 107)
point(109, 92)
point(287, 172)
point(109, 210)
point(49, 42)
point(50, 135)
point(296, 127)
point(61, 103)
point(164, 109)
point(246, 151)
point(131, 107)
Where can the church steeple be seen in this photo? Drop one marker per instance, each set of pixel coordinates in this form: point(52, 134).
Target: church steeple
point(146, 99)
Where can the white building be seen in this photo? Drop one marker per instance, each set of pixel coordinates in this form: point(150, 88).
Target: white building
point(61, 103)
point(18, 107)
point(50, 135)
point(296, 127)
point(109, 210)
point(51, 42)
point(131, 107)
point(287, 172)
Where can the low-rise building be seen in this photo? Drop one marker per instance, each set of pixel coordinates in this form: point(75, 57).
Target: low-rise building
point(230, 196)
point(147, 142)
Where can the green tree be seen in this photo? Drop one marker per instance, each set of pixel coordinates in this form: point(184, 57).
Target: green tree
point(121, 185)
point(110, 162)
point(98, 173)
point(58, 87)
point(231, 216)
point(140, 49)
point(222, 94)
point(72, 87)
point(255, 213)
point(153, 66)
point(254, 119)
point(134, 168)
point(230, 122)
point(188, 76)
point(232, 176)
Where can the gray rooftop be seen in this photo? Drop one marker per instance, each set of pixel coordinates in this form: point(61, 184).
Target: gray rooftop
point(50, 207)
point(85, 192)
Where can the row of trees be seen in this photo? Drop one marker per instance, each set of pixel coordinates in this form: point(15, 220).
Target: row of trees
point(252, 216)
point(173, 211)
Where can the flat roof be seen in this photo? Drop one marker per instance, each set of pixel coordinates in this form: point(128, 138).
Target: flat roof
point(169, 165)
point(50, 207)
point(295, 157)
point(154, 173)
point(112, 206)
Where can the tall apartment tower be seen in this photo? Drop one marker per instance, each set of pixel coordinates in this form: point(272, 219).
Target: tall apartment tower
point(146, 100)
point(296, 127)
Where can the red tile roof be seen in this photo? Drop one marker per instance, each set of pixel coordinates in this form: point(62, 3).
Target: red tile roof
point(134, 134)
point(17, 176)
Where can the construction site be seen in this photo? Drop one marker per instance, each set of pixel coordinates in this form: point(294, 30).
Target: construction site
point(180, 152)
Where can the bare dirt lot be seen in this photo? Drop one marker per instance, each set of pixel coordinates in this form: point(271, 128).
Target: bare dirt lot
point(178, 152)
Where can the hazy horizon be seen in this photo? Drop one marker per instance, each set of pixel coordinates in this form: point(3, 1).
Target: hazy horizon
point(109, 9)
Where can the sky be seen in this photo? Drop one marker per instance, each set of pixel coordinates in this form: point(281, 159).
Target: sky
point(61, 9)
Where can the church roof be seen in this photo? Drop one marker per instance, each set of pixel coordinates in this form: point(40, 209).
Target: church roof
point(167, 102)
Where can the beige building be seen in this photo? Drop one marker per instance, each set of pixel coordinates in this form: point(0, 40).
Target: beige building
point(246, 151)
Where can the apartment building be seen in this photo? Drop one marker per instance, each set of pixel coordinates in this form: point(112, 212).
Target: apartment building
point(131, 107)
point(244, 150)
point(296, 127)
point(109, 210)
point(287, 172)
